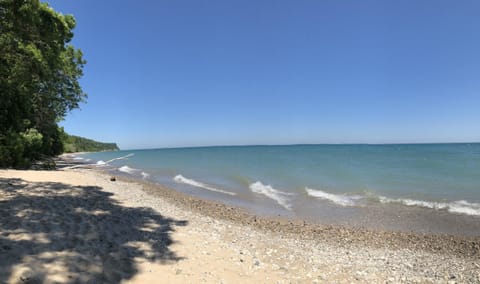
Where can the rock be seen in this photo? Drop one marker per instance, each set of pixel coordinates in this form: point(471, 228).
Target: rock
point(113, 178)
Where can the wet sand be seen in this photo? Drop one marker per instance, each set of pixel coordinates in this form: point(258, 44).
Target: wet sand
point(75, 225)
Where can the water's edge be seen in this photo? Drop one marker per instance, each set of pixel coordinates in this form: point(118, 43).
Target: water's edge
point(260, 180)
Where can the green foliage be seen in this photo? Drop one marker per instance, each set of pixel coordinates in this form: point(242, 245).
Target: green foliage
point(12, 150)
point(80, 144)
point(32, 142)
point(39, 73)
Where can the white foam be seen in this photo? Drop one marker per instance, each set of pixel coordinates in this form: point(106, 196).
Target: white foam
point(103, 163)
point(127, 169)
point(182, 179)
point(120, 158)
point(413, 202)
point(464, 207)
point(339, 199)
point(145, 175)
point(460, 206)
point(272, 193)
point(78, 158)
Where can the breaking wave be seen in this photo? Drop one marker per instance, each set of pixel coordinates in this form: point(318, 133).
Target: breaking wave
point(120, 158)
point(145, 175)
point(460, 206)
point(272, 193)
point(127, 169)
point(103, 163)
point(182, 179)
point(339, 199)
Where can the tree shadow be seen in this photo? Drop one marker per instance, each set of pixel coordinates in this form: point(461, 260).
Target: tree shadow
point(76, 234)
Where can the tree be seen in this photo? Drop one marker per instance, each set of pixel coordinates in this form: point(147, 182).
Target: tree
point(39, 73)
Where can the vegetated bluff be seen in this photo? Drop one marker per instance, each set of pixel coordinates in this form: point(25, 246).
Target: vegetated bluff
point(72, 143)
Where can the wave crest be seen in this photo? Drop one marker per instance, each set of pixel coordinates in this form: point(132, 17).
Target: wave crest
point(182, 179)
point(460, 206)
point(272, 193)
point(127, 169)
point(465, 207)
point(103, 163)
point(339, 199)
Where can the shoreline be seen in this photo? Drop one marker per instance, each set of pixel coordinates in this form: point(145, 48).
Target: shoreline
point(153, 232)
point(374, 211)
point(342, 235)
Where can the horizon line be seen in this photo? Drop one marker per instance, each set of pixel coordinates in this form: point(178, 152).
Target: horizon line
point(294, 144)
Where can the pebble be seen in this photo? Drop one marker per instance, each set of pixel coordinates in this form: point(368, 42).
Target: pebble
point(334, 254)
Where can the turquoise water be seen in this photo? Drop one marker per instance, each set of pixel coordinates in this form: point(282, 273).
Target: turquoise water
point(443, 177)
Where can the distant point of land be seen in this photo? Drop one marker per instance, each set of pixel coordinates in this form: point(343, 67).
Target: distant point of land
point(73, 143)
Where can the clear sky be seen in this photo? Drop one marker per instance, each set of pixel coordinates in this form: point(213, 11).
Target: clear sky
point(206, 72)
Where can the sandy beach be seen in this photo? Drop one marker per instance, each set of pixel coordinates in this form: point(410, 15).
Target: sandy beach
point(77, 226)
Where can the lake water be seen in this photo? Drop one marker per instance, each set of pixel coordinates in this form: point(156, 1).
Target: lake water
point(306, 180)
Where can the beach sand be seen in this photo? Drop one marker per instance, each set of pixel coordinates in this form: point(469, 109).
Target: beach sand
point(77, 226)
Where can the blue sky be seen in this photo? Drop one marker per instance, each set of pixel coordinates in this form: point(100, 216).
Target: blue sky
point(192, 73)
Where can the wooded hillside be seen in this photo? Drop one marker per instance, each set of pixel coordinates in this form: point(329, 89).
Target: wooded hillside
point(72, 143)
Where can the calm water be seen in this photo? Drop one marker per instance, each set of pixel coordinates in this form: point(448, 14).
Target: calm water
point(300, 178)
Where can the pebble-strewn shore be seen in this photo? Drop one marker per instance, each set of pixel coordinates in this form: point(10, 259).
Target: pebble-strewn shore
point(398, 255)
point(338, 235)
point(207, 241)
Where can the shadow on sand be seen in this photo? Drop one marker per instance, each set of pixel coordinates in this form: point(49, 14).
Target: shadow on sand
point(53, 232)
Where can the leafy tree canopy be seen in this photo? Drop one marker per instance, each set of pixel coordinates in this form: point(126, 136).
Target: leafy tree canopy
point(39, 73)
